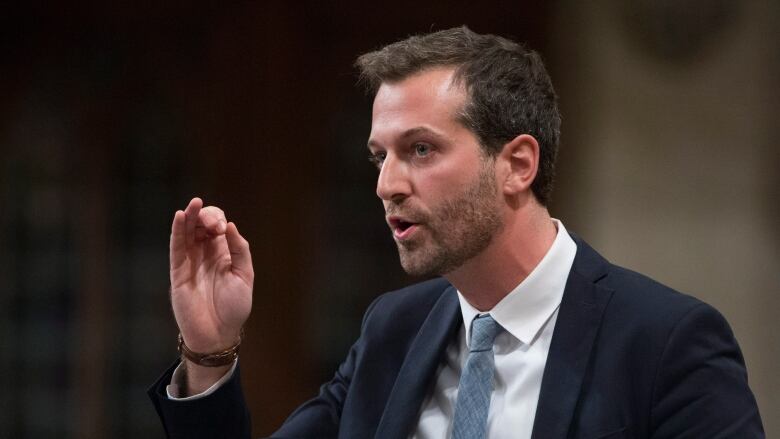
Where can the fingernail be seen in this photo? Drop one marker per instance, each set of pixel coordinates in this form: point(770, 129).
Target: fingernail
point(222, 225)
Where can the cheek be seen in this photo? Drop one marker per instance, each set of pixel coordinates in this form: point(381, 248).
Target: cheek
point(445, 182)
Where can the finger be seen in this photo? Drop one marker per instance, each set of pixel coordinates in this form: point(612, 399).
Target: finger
point(239, 253)
point(212, 218)
point(178, 243)
point(200, 234)
point(191, 219)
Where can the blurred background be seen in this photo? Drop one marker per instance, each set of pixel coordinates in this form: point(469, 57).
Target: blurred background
point(111, 118)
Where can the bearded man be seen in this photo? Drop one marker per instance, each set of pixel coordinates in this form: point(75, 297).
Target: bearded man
point(528, 333)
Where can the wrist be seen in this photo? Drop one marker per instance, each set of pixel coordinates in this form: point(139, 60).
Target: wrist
point(203, 370)
point(212, 359)
point(198, 379)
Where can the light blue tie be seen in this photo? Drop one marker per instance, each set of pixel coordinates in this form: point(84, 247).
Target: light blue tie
point(476, 381)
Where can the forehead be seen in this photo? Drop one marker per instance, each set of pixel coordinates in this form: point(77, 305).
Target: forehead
point(428, 98)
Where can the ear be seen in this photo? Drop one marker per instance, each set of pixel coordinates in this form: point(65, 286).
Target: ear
point(520, 160)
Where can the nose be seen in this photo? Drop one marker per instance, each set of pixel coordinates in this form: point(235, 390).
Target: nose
point(393, 182)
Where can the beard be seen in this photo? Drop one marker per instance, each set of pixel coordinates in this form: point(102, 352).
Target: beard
point(457, 229)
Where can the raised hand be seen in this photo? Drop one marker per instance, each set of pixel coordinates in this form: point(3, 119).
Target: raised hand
point(211, 278)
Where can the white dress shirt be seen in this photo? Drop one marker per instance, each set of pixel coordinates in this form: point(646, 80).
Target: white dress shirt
point(173, 389)
point(528, 316)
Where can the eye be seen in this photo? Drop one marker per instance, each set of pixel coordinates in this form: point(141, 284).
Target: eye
point(422, 149)
point(377, 158)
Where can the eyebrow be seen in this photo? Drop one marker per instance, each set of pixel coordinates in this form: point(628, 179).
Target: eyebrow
point(409, 133)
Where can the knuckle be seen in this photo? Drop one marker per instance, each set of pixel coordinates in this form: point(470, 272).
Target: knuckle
point(214, 210)
point(211, 215)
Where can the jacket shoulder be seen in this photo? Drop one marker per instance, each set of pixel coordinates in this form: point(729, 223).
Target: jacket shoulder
point(634, 300)
point(410, 303)
point(657, 350)
point(397, 316)
point(645, 297)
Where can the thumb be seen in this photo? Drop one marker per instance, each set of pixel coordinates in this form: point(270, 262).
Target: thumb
point(241, 258)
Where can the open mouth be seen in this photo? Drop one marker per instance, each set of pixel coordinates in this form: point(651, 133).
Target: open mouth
point(403, 225)
point(402, 228)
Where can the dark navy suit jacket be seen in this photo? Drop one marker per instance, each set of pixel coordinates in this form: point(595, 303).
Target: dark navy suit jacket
point(629, 358)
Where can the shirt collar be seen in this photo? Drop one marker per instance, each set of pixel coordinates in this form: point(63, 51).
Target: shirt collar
point(523, 311)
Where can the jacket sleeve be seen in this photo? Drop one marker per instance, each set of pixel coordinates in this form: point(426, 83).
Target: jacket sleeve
point(224, 414)
point(220, 414)
point(701, 388)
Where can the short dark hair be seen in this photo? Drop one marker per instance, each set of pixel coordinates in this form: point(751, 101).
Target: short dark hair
point(510, 92)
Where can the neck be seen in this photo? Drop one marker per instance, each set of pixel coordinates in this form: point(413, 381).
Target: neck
point(511, 256)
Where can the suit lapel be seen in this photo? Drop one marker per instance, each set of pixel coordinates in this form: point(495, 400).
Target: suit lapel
point(420, 364)
point(579, 319)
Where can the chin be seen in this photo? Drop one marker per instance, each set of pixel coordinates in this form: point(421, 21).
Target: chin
point(414, 267)
point(422, 267)
point(414, 270)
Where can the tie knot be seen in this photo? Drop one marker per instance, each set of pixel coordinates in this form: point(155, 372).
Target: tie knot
point(483, 331)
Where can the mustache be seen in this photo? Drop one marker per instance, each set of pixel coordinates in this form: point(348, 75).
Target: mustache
point(409, 213)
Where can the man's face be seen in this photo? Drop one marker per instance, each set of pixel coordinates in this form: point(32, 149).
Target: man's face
point(438, 188)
